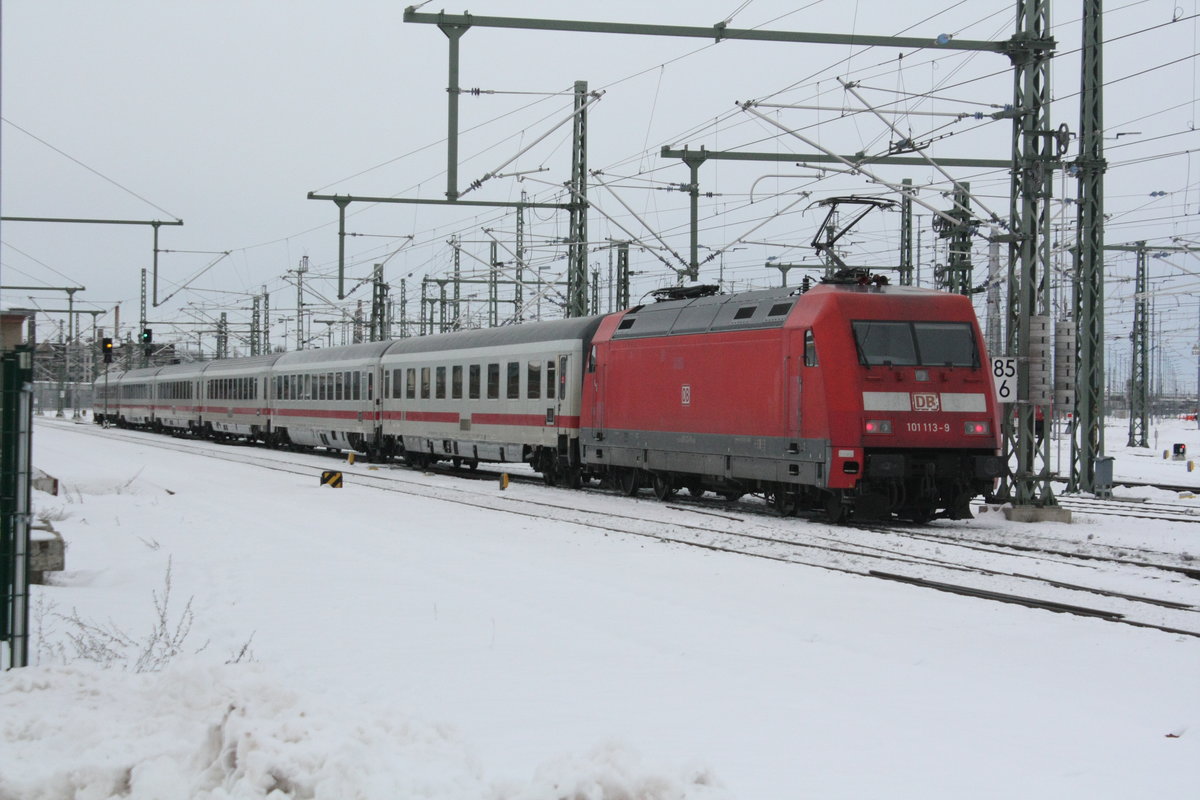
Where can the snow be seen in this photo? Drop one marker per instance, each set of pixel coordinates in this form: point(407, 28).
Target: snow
point(406, 646)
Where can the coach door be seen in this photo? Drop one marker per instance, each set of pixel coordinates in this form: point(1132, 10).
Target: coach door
point(566, 415)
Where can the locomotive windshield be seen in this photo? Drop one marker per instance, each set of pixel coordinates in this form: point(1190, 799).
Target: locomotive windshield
point(903, 344)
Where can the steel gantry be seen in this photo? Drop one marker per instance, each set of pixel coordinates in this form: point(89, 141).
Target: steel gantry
point(1087, 441)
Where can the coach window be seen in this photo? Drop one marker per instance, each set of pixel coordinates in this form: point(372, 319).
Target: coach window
point(473, 381)
point(410, 388)
point(810, 349)
point(456, 382)
point(425, 384)
point(493, 386)
point(339, 392)
point(441, 383)
point(562, 377)
point(533, 380)
point(358, 386)
point(514, 380)
point(550, 379)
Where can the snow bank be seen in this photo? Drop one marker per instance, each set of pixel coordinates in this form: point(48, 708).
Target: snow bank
point(217, 732)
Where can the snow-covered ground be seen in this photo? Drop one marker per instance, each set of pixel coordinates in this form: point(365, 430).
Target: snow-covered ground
point(402, 646)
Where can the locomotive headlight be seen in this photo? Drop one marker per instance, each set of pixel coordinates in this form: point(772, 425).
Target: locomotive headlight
point(877, 426)
point(977, 428)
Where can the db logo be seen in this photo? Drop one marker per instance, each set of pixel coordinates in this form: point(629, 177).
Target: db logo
point(685, 394)
point(925, 401)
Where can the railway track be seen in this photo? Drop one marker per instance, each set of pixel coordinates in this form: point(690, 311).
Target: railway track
point(1149, 590)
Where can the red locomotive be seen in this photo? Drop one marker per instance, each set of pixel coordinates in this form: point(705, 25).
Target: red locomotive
point(858, 397)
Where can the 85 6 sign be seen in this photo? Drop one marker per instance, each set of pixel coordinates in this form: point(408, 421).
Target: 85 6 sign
point(1004, 374)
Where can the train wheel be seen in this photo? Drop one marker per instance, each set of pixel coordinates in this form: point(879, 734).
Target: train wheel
point(631, 482)
point(573, 478)
point(694, 487)
point(834, 510)
point(732, 495)
point(664, 487)
point(786, 502)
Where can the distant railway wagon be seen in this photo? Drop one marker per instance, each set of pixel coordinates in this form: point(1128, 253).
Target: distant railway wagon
point(328, 397)
point(856, 397)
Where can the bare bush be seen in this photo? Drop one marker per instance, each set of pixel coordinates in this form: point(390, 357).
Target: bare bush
point(109, 645)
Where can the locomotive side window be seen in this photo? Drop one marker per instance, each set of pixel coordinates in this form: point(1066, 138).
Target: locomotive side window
point(493, 382)
point(533, 380)
point(810, 349)
point(948, 343)
point(473, 382)
point(456, 382)
point(514, 380)
point(885, 343)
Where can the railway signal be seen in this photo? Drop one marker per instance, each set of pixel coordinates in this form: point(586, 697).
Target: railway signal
point(106, 347)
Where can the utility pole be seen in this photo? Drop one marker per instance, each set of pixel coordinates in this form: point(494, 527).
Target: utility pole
point(577, 277)
point(1034, 159)
point(265, 347)
point(255, 326)
point(379, 292)
point(622, 275)
point(957, 275)
point(906, 234)
point(300, 270)
point(223, 336)
point(1087, 442)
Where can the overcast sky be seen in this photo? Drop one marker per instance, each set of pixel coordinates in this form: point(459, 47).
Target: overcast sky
point(226, 114)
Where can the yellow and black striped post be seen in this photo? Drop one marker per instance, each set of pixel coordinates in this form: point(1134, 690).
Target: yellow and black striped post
point(332, 478)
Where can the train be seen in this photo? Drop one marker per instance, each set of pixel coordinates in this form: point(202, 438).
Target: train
point(852, 398)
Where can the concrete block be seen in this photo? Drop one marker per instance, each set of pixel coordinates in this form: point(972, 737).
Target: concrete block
point(1037, 514)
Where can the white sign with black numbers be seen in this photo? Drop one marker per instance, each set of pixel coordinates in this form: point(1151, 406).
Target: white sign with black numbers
point(1004, 373)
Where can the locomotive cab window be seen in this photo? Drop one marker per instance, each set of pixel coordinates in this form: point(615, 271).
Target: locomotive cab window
point(902, 344)
point(950, 344)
